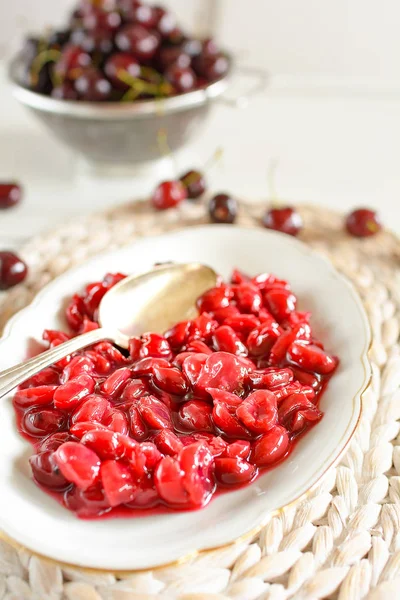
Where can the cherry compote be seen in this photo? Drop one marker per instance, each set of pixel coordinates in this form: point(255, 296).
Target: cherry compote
point(207, 406)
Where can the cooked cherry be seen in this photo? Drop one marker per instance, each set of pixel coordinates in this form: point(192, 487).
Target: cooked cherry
point(78, 464)
point(92, 86)
point(186, 481)
point(185, 411)
point(311, 358)
point(183, 79)
point(119, 64)
point(363, 222)
point(46, 471)
point(286, 220)
point(138, 40)
point(258, 412)
point(280, 302)
point(10, 194)
point(154, 413)
point(13, 270)
point(195, 415)
point(40, 422)
point(297, 411)
point(271, 447)
point(168, 195)
point(118, 483)
point(231, 471)
point(195, 184)
point(223, 209)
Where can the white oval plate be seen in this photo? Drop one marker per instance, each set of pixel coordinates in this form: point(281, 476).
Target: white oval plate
point(35, 520)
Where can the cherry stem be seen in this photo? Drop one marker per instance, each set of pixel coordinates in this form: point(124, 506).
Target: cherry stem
point(160, 89)
point(214, 159)
point(40, 60)
point(271, 176)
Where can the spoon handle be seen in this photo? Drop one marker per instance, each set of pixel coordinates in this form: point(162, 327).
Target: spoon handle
point(11, 378)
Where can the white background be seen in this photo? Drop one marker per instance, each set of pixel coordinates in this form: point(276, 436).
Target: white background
point(330, 118)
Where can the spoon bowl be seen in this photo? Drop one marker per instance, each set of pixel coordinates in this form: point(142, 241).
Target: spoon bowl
point(152, 301)
point(155, 300)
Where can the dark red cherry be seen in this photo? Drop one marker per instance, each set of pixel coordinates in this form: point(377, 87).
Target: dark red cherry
point(168, 194)
point(286, 220)
point(138, 40)
point(166, 22)
point(120, 64)
point(195, 184)
point(144, 15)
point(65, 91)
point(173, 55)
point(97, 40)
point(10, 194)
point(363, 222)
point(192, 47)
point(209, 47)
point(13, 270)
point(223, 209)
point(92, 86)
point(96, 18)
point(212, 67)
point(46, 472)
point(183, 80)
point(72, 58)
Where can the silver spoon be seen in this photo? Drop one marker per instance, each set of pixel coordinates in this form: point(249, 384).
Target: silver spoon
point(152, 301)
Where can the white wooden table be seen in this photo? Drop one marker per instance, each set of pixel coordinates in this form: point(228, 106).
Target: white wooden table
point(332, 145)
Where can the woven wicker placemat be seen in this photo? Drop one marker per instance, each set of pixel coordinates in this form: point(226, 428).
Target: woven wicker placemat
point(343, 541)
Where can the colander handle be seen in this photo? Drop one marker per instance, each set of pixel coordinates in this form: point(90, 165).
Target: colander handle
point(259, 82)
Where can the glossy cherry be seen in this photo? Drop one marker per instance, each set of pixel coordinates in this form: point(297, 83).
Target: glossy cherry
point(168, 195)
point(92, 86)
point(137, 40)
point(223, 209)
point(13, 270)
point(120, 65)
point(10, 194)
point(195, 184)
point(286, 220)
point(183, 79)
point(363, 222)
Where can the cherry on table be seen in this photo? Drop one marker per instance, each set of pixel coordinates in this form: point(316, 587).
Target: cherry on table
point(13, 270)
point(10, 194)
point(223, 209)
point(168, 195)
point(195, 184)
point(363, 222)
point(286, 220)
